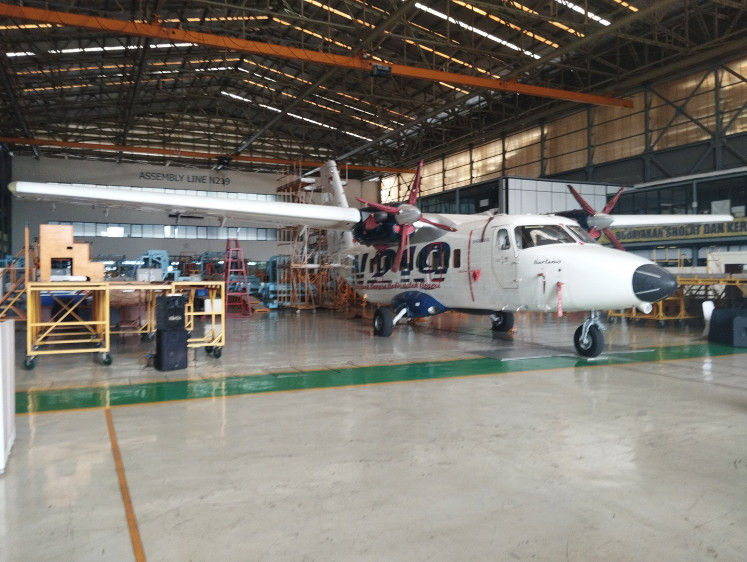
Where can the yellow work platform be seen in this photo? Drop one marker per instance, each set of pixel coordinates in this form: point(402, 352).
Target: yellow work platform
point(74, 317)
point(687, 302)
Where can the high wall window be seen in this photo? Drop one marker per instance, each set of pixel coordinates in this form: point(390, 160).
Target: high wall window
point(184, 232)
point(727, 195)
point(716, 195)
point(566, 143)
point(618, 133)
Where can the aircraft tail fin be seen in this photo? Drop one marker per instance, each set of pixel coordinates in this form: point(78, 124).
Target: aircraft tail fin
point(333, 194)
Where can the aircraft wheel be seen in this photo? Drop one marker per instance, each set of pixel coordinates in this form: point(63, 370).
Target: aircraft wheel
point(502, 321)
point(592, 345)
point(383, 322)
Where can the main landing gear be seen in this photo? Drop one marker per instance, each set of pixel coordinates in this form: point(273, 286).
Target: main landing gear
point(384, 321)
point(502, 321)
point(588, 339)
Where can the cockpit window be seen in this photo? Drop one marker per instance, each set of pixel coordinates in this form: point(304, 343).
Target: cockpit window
point(541, 235)
point(581, 234)
point(501, 240)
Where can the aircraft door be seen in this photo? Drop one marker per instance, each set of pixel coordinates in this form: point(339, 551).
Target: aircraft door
point(505, 257)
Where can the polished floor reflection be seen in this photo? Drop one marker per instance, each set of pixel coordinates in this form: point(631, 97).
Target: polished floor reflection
point(309, 439)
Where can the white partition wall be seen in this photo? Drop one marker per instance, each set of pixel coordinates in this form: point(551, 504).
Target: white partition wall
point(526, 195)
point(7, 390)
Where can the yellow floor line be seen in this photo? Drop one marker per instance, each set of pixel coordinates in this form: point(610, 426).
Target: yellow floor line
point(137, 544)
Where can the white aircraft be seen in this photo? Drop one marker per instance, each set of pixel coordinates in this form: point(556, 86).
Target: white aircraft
point(417, 265)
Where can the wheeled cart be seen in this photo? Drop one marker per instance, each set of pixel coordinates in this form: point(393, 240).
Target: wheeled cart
point(77, 320)
point(74, 317)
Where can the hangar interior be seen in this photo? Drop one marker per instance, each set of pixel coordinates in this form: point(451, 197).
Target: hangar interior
point(299, 435)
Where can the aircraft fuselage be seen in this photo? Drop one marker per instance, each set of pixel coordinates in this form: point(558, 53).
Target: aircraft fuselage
point(502, 262)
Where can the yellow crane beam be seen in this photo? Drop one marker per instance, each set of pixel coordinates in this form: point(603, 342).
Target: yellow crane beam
point(157, 31)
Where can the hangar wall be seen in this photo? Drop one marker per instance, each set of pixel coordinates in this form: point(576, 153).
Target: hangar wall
point(143, 175)
point(694, 123)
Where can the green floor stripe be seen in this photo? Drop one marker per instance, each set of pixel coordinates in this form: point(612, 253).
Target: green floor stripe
point(35, 401)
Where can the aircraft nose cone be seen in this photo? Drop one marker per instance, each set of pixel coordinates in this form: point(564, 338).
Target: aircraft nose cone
point(651, 283)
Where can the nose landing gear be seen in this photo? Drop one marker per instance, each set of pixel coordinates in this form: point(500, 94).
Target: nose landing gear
point(588, 339)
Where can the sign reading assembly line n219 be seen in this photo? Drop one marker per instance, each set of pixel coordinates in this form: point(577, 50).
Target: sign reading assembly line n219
point(680, 232)
point(188, 178)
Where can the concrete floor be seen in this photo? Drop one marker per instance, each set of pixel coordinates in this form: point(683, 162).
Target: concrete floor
point(309, 439)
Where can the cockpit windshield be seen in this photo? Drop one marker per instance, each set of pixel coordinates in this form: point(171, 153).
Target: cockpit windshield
point(542, 234)
point(581, 234)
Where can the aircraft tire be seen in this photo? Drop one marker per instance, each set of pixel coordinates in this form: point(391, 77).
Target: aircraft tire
point(383, 322)
point(502, 321)
point(592, 346)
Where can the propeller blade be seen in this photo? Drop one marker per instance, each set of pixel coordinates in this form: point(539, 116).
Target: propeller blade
point(404, 237)
point(438, 224)
point(580, 200)
point(415, 191)
point(613, 239)
point(612, 202)
point(370, 222)
point(379, 206)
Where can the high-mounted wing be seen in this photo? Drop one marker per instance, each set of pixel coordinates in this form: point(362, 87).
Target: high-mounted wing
point(629, 221)
point(221, 207)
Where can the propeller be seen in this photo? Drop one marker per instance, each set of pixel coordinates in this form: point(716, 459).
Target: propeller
point(599, 220)
point(405, 215)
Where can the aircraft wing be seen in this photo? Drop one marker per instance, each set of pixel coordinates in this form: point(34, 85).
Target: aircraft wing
point(221, 207)
point(627, 221)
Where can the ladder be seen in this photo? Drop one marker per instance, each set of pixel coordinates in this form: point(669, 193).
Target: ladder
point(13, 278)
point(237, 287)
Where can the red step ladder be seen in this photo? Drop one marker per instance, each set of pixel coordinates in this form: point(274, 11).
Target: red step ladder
point(234, 275)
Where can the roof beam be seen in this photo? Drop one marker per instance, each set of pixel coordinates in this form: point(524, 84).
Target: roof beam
point(178, 153)
point(368, 40)
point(13, 101)
point(156, 30)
